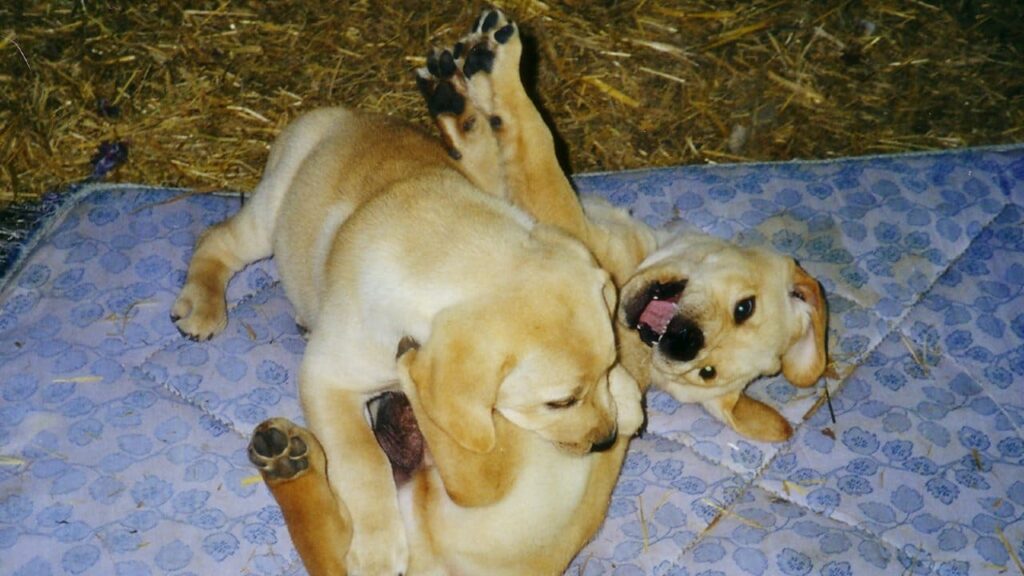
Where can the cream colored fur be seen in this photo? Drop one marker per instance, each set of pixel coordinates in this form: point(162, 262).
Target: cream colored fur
point(377, 238)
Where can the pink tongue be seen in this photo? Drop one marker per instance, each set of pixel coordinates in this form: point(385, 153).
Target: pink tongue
point(658, 314)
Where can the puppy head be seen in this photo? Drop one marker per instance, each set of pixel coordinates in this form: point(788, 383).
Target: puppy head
point(539, 353)
point(717, 316)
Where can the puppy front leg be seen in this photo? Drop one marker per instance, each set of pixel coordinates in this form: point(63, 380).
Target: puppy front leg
point(750, 417)
point(200, 310)
point(359, 475)
point(294, 467)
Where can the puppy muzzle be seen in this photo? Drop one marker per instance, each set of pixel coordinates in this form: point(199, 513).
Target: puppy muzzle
point(682, 340)
point(606, 443)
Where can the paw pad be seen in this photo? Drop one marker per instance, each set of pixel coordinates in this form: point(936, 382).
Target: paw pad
point(480, 58)
point(441, 65)
point(278, 450)
point(502, 36)
point(436, 84)
point(487, 21)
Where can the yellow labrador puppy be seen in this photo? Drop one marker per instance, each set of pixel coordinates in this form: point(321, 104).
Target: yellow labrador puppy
point(702, 318)
point(378, 238)
point(698, 316)
point(523, 508)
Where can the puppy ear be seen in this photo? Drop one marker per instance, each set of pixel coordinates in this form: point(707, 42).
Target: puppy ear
point(470, 478)
point(457, 381)
point(804, 362)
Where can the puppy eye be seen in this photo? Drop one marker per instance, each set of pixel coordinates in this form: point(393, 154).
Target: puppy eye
point(562, 404)
point(708, 373)
point(744, 310)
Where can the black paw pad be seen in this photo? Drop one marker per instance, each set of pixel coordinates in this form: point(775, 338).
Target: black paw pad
point(490, 20)
point(479, 59)
point(446, 63)
point(502, 36)
point(445, 99)
point(298, 465)
point(269, 442)
point(441, 65)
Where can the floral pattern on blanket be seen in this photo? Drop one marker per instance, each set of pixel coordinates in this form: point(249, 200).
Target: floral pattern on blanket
point(122, 445)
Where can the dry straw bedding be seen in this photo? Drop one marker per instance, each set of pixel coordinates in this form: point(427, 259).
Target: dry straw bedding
point(198, 89)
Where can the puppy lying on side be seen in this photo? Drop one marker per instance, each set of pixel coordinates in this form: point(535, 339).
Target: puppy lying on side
point(508, 355)
point(698, 316)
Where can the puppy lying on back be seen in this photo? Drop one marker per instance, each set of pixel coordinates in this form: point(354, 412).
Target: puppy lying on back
point(505, 340)
point(698, 317)
point(702, 318)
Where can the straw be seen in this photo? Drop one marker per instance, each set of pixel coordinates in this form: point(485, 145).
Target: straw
point(198, 93)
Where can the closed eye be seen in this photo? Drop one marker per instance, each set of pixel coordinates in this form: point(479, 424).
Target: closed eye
point(744, 310)
point(562, 404)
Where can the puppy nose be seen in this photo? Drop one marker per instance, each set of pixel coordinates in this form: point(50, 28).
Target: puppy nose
point(606, 443)
point(682, 340)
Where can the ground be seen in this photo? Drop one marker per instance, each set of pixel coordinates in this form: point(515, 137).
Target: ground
point(197, 92)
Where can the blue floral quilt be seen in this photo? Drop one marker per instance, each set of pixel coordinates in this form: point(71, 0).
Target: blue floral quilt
point(122, 445)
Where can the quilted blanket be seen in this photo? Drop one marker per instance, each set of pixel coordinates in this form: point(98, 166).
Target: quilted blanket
point(122, 445)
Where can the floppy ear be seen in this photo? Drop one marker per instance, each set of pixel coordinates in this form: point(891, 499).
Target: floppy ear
point(471, 479)
point(804, 362)
point(457, 375)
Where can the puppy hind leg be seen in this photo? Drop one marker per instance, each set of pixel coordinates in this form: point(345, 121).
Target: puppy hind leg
point(294, 467)
point(490, 63)
point(360, 475)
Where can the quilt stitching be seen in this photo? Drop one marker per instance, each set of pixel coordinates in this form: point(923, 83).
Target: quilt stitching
point(211, 517)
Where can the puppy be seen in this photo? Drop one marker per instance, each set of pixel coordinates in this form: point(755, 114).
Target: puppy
point(524, 508)
point(698, 316)
point(379, 237)
point(703, 318)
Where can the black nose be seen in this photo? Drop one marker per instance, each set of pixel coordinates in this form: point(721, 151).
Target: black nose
point(682, 340)
point(607, 443)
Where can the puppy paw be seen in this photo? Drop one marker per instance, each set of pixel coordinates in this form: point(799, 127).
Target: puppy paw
point(199, 312)
point(492, 47)
point(463, 81)
point(489, 59)
point(280, 449)
point(442, 87)
point(462, 124)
